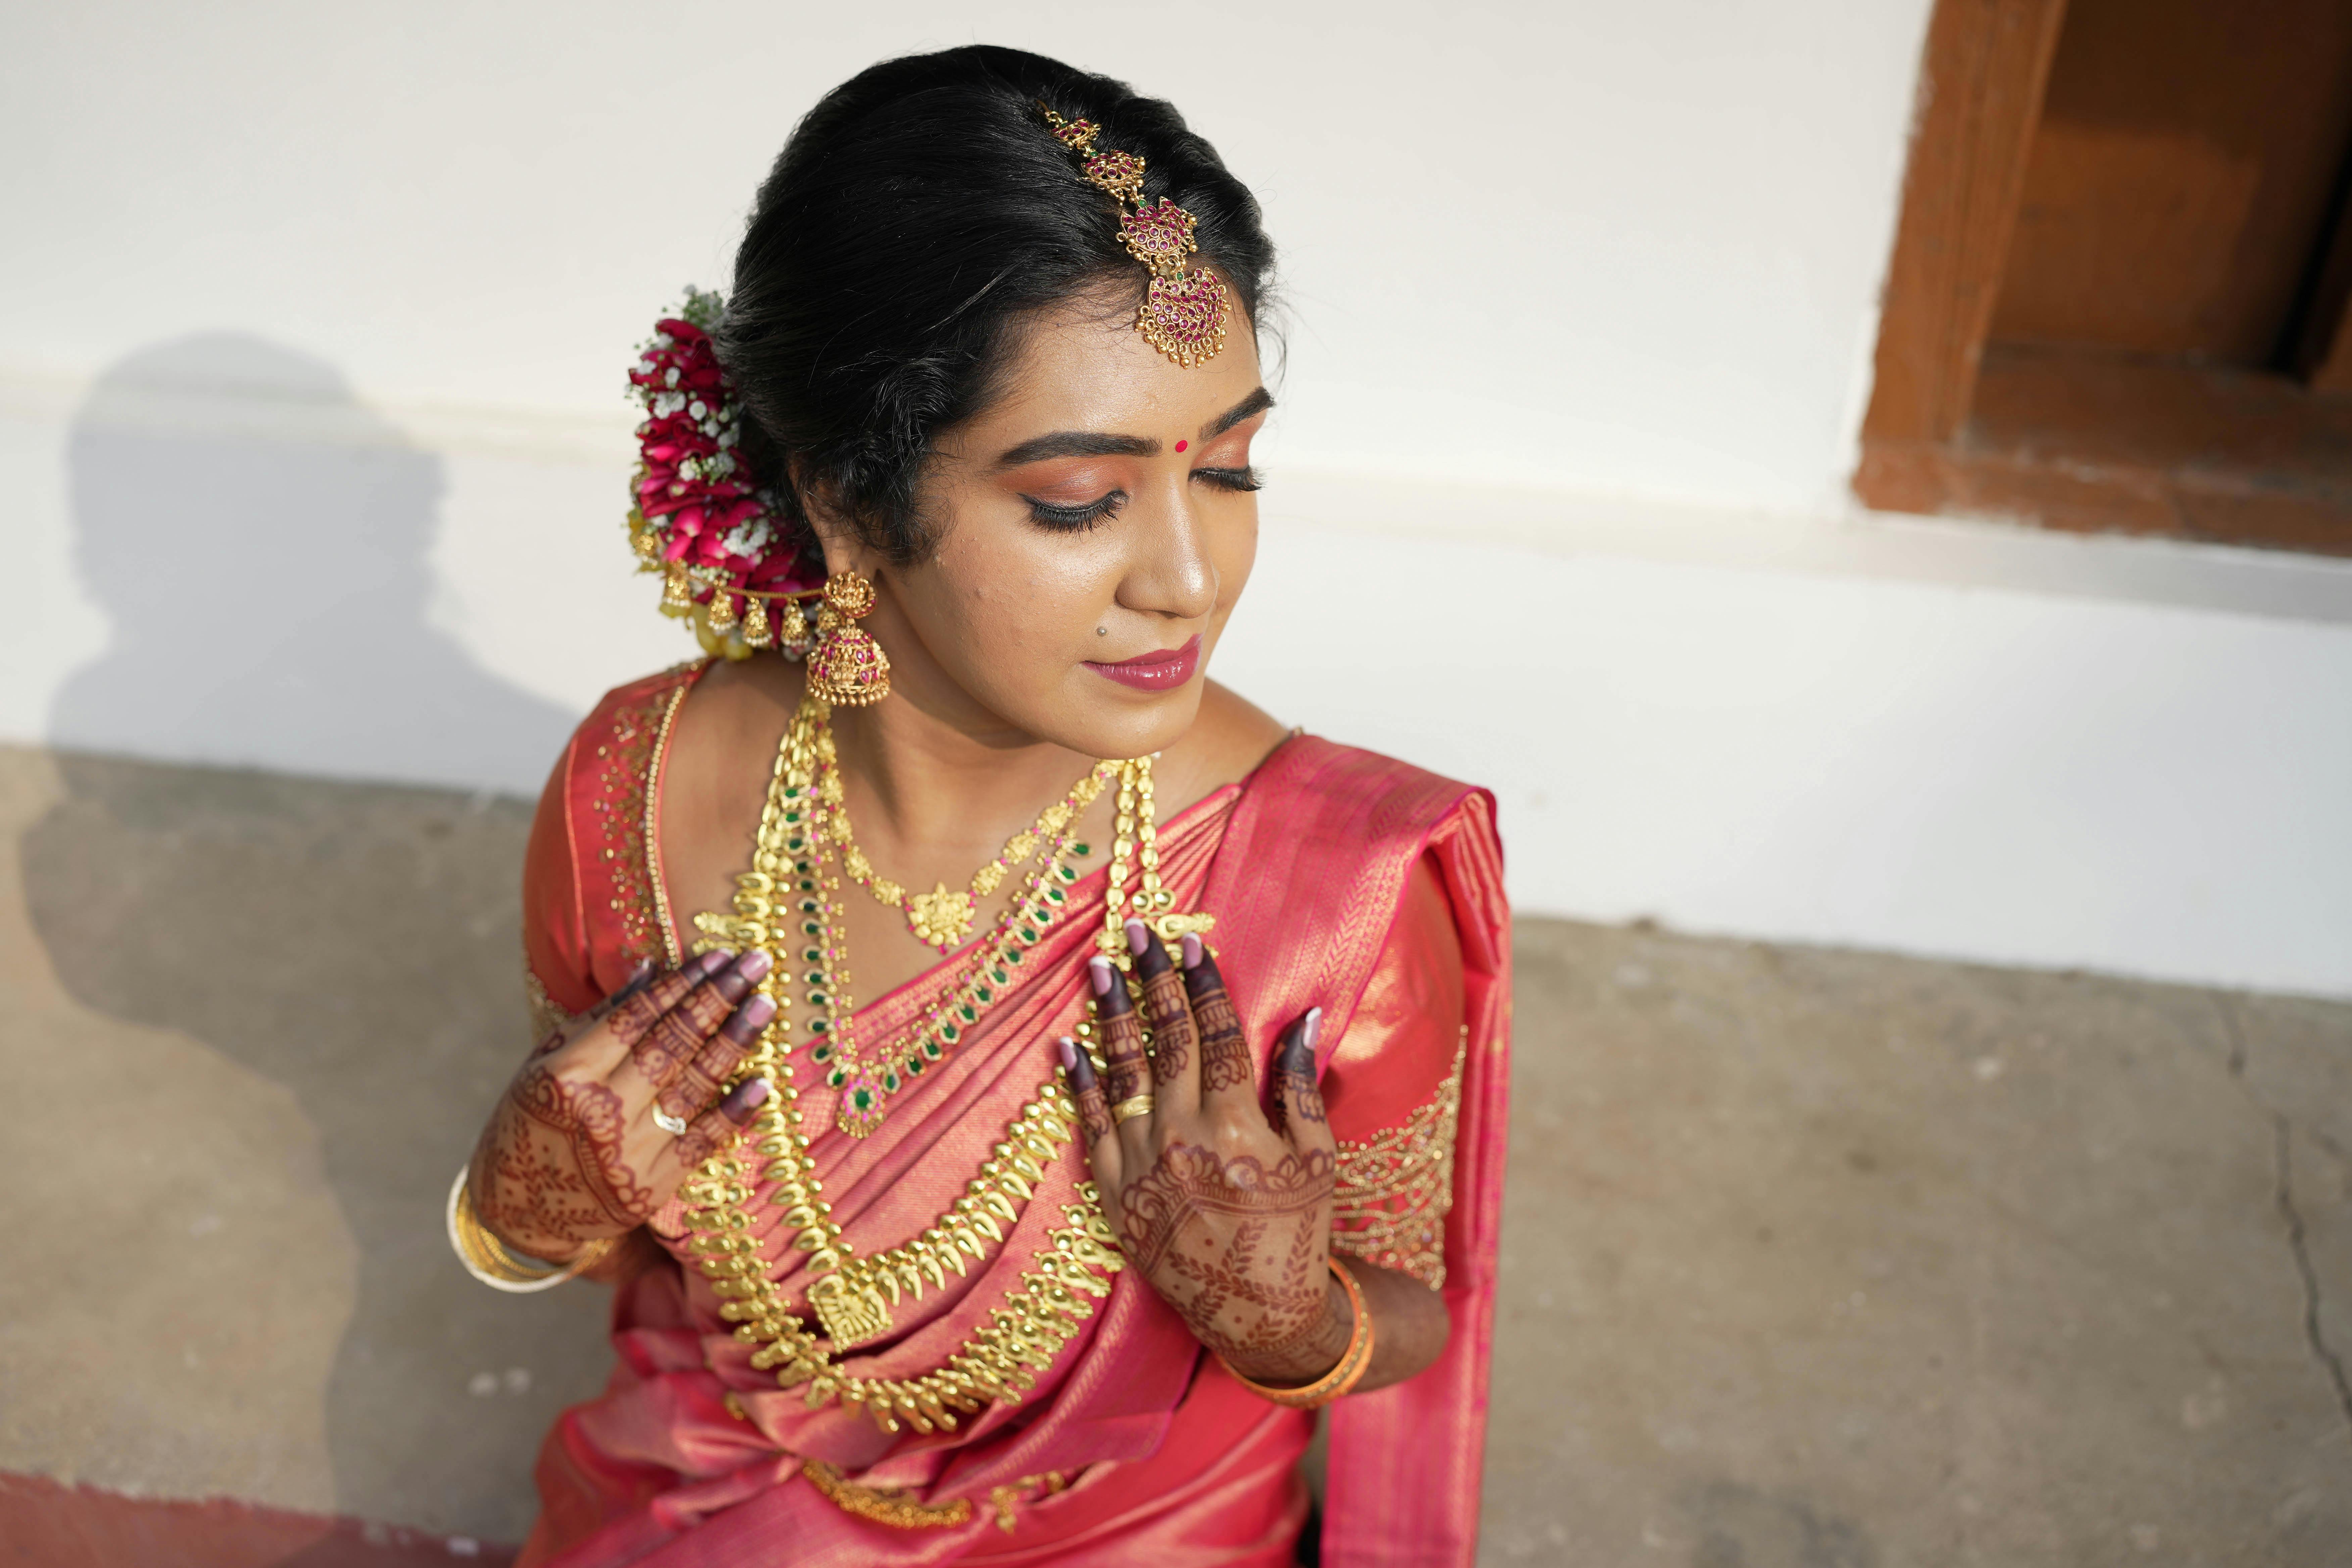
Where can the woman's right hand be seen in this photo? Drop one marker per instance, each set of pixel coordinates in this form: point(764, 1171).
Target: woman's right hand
point(573, 1154)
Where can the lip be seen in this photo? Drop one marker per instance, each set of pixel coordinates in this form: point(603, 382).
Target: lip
point(1162, 669)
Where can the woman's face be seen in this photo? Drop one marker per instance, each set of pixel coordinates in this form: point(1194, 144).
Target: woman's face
point(1094, 527)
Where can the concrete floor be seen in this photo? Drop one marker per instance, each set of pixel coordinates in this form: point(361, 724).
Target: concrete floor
point(1813, 1259)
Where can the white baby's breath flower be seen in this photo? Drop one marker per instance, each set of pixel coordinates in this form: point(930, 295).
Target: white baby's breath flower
point(751, 537)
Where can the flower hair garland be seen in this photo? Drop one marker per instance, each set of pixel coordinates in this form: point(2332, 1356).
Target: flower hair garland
point(731, 561)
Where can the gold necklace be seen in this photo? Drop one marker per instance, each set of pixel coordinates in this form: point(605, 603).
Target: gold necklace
point(940, 917)
point(999, 1360)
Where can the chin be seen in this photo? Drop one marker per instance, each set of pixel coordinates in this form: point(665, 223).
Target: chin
point(1115, 721)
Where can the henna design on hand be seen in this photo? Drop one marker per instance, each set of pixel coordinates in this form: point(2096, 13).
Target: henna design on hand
point(1293, 1086)
point(717, 1128)
point(556, 1169)
point(1164, 1006)
point(1296, 1092)
point(635, 1011)
point(1094, 1106)
point(1124, 1064)
point(1171, 1027)
point(1225, 1050)
point(1238, 1248)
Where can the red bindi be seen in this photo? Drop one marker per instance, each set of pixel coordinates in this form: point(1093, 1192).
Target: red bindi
point(1181, 444)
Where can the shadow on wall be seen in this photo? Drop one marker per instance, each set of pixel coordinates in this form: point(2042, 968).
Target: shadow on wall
point(263, 556)
point(259, 540)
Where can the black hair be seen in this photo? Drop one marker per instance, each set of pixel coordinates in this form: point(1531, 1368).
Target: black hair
point(918, 216)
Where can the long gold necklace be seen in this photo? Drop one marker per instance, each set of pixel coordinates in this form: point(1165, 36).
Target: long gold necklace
point(941, 917)
point(867, 1077)
point(852, 1294)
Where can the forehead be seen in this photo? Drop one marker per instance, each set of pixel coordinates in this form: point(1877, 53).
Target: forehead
point(1086, 367)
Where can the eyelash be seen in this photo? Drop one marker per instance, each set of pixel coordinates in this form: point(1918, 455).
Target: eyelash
point(1095, 513)
point(1077, 519)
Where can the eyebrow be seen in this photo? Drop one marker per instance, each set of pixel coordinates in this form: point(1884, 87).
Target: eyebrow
point(1100, 444)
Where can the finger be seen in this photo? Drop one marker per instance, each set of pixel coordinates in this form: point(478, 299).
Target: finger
point(718, 1127)
point(639, 978)
point(1094, 1122)
point(680, 1036)
point(1175, 1044)
point(635, 1013)
point(1228, 1077)
point(1297, 1102)
point(1127, 1072)
point(700, 1082)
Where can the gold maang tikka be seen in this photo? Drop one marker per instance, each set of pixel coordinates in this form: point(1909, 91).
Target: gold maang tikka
point(1183, 310)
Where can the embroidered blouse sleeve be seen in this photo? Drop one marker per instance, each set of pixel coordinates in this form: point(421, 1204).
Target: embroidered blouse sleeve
point(556, 976)
point(1393, 1089)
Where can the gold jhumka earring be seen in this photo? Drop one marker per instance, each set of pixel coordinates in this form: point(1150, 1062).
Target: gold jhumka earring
point(848, 668)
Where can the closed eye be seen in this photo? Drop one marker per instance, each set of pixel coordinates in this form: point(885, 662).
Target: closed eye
point(1076, 518)
point(1229, 478)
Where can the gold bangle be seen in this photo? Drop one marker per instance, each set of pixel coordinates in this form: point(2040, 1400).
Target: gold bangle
point(1340, 1380)
point(1128, 1110)
point(495, 1263)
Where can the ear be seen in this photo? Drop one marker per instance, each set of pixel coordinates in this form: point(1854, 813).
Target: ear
point(843, 551)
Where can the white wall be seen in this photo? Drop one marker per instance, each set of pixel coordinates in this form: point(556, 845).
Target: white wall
point(313, 323)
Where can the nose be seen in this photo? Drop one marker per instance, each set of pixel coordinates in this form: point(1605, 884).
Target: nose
point(1169, 574)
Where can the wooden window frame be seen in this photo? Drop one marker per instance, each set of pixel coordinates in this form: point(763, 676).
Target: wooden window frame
point(2235, 457)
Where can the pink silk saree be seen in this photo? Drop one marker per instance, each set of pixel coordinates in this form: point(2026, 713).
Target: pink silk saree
point(1339, 879)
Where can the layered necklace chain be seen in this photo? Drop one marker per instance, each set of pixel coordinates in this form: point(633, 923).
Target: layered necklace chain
point(788, 904)
point(941, 917)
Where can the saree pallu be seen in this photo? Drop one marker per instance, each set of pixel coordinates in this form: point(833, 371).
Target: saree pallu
point(1338, 878)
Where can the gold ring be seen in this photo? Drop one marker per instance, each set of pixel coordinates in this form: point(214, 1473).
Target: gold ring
point(1126, 1109)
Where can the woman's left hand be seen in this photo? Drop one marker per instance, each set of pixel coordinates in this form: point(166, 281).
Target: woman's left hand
point(1225, 1213)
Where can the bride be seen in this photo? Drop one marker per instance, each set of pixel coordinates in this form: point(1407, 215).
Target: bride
point(1025, 1214)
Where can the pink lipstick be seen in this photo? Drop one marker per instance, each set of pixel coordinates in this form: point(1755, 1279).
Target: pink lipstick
point(1162, 669)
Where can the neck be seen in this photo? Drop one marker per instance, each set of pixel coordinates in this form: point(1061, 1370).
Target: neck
point(923, 781)
point(931, 773)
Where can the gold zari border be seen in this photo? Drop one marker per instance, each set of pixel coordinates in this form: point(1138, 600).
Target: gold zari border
point(900, 1510)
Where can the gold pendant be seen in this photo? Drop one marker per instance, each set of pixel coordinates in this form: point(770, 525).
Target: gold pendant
point(851, 1313)
point(942, 918)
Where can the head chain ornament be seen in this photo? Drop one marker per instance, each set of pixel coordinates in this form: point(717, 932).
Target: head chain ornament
point(731, 561)
point(1183, 312)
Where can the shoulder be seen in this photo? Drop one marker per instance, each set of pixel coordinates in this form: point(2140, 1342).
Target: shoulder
point(1230, 738)
point(630, 715)
point(1320, 786)
point(586, 867)
point(1234, 741)
point(613, 747)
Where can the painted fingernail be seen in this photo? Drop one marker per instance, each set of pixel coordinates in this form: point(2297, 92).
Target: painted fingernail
point(730, 983)
point(1201, 976)
point(746, 1098)
point(1310, 1031)
point(743, 1025)
point(1139, 937)
point(1151, 958)
point(1191, 945)
point(1110, 990)
point(753, 965)
point(711, 963)
point(1069, 1049)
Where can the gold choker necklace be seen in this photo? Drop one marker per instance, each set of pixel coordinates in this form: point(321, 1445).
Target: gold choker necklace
point(940, 917)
